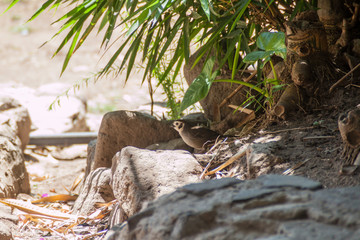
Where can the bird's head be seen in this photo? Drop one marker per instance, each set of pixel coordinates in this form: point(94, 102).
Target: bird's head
point(178, 125)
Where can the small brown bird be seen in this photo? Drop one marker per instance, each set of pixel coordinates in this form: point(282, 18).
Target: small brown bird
point(196, 136)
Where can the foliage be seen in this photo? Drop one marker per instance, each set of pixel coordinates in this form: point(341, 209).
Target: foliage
point(151, 28)
point(269, 43)
point(200, 86)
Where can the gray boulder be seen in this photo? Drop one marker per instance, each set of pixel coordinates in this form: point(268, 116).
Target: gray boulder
point(140, 175)
point(17, 117)
point(267, 208)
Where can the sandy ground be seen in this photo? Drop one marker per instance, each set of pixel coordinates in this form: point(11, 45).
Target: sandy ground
point(23, 62)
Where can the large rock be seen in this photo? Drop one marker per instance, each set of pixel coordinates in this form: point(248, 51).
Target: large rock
point(268, 208)
point(125, 128)
point(140, 175)
point(14, 135)
point(96, 189)
point(17, 118)
point(14, 178)
point(67, 116)
point(8, 222)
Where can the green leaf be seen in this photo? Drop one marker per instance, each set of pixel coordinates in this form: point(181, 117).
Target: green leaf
point(41, 9)
point(70, 52)
point(10, 6)
point(281, 53)
point(208, 67)
point(205, 7)
point(271, 41)
point(252, 86)
point(198, 90)
point(257, 55)
point(186, 36)
point(200, 87)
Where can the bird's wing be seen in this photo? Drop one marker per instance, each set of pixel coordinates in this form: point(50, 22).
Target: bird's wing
point(201, 132)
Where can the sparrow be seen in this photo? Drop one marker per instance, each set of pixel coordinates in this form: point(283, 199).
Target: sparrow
point(194, 136)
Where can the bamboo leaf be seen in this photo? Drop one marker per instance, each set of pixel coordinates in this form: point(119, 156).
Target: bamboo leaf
point(134, 50)
point(10, 6)
point(41, 9)
point(71, 51)
point(186, 36)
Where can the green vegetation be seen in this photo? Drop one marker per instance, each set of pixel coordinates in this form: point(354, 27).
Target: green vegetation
point(162, 35)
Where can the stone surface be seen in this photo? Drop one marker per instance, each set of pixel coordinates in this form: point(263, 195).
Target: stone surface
point(271, 181)
point(96, 189)
point(248, 210)
point(13, 175)
point(67, 116)
point(90, 156)
point(140, 175)
point(70, 152)
point(8, 223)
point(261, 156)
point(17, 118)
point(174, 144)
point(125, 128)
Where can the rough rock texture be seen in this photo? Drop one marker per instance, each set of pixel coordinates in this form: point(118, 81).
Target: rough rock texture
point(13, 175)
point(8, 223)
point(71, 152)
point(96, 189)
point(268, 208)
point(261, 157)
point(17, 118)
point(125, 128)
point(174, 144)
point(140, 175)
point(90, 156)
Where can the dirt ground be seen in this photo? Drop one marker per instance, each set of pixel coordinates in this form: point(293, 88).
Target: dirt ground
point(314, 138)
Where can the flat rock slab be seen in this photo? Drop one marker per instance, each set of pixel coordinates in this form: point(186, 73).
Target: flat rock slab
point(268, 208)
point(271, 181)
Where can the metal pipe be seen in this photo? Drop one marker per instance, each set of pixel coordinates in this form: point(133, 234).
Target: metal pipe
point(62, 138)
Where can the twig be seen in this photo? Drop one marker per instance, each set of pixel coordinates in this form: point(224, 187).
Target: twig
point(228, 162)
point(292, 169)
point(245, 110)
point(236, 90)
point(288, 130)
point(212, 159)
point(354, 85)
point(317, 137)
point(343, 78)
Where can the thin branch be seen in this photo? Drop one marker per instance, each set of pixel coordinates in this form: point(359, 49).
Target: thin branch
point(343, 78)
